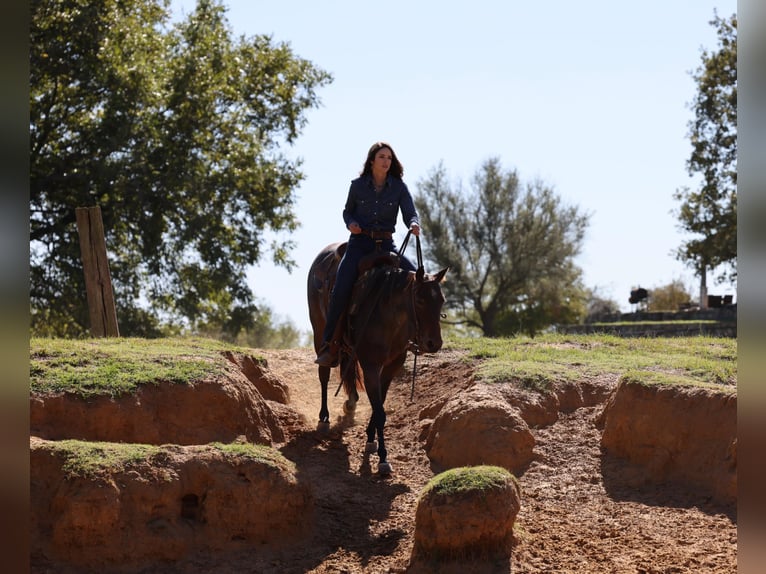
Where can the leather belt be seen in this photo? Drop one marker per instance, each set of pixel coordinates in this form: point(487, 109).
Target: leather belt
point(378, 234)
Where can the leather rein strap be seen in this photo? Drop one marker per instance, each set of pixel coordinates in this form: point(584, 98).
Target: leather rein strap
point(413, 345)
point(417, 245)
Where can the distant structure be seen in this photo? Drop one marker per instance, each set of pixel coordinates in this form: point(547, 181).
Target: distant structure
point(639, 296)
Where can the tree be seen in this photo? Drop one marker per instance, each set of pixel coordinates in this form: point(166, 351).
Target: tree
point(175, 131)
point(710, 212)
point(509, 247)
point(600, 307)
point(670, 297)
point(267, 331)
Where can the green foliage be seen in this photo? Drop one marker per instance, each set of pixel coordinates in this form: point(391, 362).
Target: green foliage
point(549, 304)
point(467, 479)
point(266, 331)
point(669, 297)
point(710, 212)
point(510, 249)
point(94, 459)
point(114, 366)
point(175, 132)
point(600, 307)
point(553, 358)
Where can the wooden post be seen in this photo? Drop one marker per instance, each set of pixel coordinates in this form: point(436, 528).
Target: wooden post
point(98, 281)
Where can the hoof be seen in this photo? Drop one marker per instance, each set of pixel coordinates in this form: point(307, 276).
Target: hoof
point(371, 447)
point(349, 406)
point(323, 426)
point(384, 469)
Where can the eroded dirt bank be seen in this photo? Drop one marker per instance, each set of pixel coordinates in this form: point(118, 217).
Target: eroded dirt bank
point(581, 510)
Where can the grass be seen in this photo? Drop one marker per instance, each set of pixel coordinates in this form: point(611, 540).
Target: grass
point(94, 459)
point(538, 363)
point(467, 479)
point(114, 366)
point(260, 453)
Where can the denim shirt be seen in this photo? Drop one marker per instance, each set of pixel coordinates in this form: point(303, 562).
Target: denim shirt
point(377, 211)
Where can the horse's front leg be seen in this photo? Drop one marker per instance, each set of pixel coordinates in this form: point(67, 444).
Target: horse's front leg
point(389, 372)
point(324, 413)
point(377, 419)
point(378, 423)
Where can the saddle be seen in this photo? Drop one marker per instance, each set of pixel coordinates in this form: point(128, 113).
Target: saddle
point(377, 258)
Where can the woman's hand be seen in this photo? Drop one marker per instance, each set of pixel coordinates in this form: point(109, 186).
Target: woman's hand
point(415, 228)
point(354, 228)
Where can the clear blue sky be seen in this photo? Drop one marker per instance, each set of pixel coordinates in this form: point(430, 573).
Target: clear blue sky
point(590, 97)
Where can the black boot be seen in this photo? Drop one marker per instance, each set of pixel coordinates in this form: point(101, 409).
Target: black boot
point(327, 355)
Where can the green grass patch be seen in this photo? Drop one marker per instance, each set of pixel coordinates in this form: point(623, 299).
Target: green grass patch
point(257, 452)
point(665, 378)
point(114, 366)
point(95, 459)
point(538, 363)
point(467, 478)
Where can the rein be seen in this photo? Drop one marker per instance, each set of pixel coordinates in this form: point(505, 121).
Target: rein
point(412, 345)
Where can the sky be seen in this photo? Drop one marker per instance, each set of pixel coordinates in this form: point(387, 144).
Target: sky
point(592, 98)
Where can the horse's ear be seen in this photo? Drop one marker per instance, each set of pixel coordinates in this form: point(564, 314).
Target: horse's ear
point(420, 274)
point(440, 275)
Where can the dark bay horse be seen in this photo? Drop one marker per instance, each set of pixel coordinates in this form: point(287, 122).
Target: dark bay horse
point(390, 312)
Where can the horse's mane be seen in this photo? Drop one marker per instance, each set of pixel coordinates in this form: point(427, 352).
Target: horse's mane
point(382, 282)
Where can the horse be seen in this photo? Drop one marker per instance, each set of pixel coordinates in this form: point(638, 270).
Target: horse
point(391, 311)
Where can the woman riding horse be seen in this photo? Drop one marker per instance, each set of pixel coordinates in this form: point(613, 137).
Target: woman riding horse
point(373, 202)
point(393, 311)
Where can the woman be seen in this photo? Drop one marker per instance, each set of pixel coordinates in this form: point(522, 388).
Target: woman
point(373, 202)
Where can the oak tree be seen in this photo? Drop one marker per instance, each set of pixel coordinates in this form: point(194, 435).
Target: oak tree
point(177, 131)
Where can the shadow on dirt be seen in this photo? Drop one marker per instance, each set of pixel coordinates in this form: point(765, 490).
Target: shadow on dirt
point(625, 482)
point(350, 499)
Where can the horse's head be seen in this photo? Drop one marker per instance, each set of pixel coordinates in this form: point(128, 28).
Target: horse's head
point(428, 301)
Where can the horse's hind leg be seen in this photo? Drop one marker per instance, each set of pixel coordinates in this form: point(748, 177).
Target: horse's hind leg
point(324, 413)
point(348, 376)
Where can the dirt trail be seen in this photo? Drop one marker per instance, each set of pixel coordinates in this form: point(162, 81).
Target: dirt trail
point(578, 513)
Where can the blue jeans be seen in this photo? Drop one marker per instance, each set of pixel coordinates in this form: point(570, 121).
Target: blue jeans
point(359, 245)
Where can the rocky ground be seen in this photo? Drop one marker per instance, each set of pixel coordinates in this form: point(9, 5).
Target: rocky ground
point(580, 511)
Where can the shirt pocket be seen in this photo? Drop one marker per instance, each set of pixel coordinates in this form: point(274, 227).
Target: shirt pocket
point(365, 208)
point(388, 210)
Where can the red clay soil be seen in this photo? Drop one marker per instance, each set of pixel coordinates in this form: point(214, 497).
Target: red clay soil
point(581, 510)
